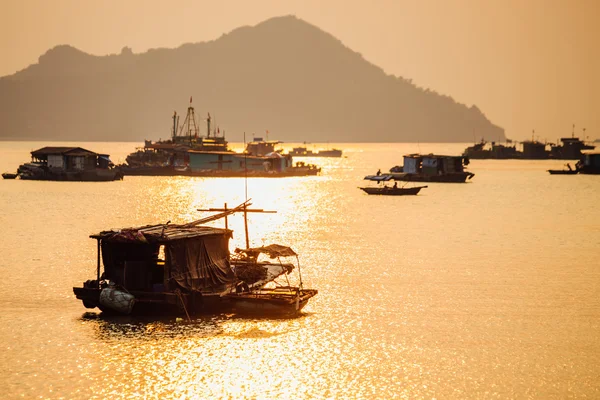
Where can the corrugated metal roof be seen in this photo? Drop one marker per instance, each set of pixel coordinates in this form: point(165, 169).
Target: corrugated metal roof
point(73, 151)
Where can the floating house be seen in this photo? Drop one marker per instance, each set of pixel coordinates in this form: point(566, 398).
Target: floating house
point(432, 168)
point(68, 164)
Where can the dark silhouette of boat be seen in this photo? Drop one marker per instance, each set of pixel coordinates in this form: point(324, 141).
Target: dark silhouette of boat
point(189, 154)
point(429, 168)
point(303, 151)
point(68, 164)
point(188, 269)
point(392, 191)
point(9, 175)
point(482, 151)
point(568, 171)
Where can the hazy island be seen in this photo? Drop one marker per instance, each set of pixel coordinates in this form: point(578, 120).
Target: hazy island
point(283, 75)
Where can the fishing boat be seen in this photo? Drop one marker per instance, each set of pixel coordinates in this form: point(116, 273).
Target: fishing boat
point(303, 151)
point(182, 269)
point(189, 154)
point(392, 191)
point(170, 157)
point(568, 171)
point(429, 168)
point(386, 190)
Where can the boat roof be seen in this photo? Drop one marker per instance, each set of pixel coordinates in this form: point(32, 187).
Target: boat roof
point(378, 178)
point(213, 152)
point(430, 155)
point(158, 233)
point(272, 250)
point(72, 151)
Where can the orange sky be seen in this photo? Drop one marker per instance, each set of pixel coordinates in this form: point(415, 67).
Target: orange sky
point(527, 65)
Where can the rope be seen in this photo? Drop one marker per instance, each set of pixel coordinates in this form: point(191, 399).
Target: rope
point(180, 296)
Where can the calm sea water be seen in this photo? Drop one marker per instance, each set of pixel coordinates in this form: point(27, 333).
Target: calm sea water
point(489, 289)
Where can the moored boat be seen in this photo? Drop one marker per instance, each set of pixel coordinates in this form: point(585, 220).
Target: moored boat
point(187, 269)
point(9, 175)
point(303, 151)
point(68, 164)
point(429, 168)
point(568, 171)
point(392, 191)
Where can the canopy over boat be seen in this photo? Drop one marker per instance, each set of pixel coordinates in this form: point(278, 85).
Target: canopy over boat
point(379, 178)
point(272, 250)
point(197, 256)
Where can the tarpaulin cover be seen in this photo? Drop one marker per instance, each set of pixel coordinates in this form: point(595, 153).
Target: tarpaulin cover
point(272, 250)
point(200, 263)
point(378, 178)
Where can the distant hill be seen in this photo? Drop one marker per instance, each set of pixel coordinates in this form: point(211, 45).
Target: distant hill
point(283, 75)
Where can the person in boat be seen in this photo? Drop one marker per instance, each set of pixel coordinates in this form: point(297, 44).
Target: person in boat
point(378, 172)
point(395, 185)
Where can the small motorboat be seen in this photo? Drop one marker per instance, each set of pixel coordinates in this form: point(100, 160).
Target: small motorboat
point(8, 175)
point(393, 191)
point(569, 171)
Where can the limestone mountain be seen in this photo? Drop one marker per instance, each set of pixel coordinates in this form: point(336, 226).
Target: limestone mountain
point(282, 75)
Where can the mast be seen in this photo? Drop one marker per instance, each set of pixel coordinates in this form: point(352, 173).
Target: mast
point(208, 126)
point(189, 128)
point(175, 123)
point(244, 208)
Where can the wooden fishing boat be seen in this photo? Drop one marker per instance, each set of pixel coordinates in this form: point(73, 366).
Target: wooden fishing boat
point(430, 168)
point(392, 191)
point(188, 269)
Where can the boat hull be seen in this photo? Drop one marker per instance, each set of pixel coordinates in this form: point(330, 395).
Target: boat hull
point(169, 171)
point(78, 176)
point(390, 191)
point(155, 303)
point(460, 177)
point(286, 302)
point(562, 172)
point(280, 302)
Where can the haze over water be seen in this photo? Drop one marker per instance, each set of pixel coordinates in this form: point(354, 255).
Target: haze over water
point(488, 289)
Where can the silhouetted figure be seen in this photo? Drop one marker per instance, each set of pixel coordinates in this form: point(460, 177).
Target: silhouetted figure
point(378, 172)
point(395, 185)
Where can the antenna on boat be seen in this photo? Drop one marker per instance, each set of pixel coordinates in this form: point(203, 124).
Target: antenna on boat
point(246, 194)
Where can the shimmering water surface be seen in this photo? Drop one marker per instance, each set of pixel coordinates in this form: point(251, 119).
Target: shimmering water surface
point(489, 289)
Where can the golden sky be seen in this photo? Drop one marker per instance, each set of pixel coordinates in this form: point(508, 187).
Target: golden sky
point(527, 64)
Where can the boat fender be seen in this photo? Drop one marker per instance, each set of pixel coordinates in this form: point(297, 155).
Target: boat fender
point(117, 300)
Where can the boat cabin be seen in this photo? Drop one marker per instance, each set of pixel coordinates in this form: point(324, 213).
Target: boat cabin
point(260, 147)
point(432, 164)
point(159, 267)
point(237, 162)
point(70, 158)
point(162, 258)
